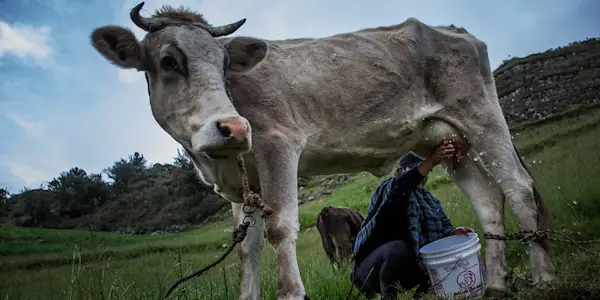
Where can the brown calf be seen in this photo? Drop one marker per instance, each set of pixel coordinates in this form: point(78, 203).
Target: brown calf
point(338, 227)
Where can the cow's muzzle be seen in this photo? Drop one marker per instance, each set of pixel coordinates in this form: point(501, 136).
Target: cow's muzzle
point(223, 137)
point(233, 128)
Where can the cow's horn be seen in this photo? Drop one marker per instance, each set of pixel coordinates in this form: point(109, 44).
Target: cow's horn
point(141, 22)
point(226, 29)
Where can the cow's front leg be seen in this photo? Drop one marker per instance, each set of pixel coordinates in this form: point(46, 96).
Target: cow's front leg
point(249, 251)
point(277, 164)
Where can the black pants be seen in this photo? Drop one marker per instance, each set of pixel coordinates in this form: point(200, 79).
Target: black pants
point(393, 263)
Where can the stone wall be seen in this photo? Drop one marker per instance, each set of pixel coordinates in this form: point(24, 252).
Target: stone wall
point(536, 86)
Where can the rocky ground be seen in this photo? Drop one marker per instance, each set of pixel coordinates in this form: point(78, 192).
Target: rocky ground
point(320, 186)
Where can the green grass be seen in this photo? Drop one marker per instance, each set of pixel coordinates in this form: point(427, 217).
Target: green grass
point(25, 241)
point(70, 264)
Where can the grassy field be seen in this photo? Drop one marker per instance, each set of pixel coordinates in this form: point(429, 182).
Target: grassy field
point(69, 264)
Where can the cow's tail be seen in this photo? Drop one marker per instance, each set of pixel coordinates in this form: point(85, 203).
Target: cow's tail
point(323, 228)
point(544, 219)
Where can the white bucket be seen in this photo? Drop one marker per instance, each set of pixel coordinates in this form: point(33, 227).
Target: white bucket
point(455, 264)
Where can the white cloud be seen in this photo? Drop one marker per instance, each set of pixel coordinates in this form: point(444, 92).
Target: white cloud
point(38, 168)
point(25, 41)
point(30, 175)
point(35, 130)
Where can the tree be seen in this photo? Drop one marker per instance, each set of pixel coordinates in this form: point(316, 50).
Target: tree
point(4, 195)
point(186, 176)
point(77, 193)
point(141, 198)
point(126, 172)
point(33, 207)
point(183, 161)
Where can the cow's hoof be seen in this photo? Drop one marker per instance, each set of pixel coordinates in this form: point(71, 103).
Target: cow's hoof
point(306, 297)
point(495, 293)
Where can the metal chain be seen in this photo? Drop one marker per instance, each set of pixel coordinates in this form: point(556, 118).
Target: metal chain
point(524, 237)
point(527, 236)
point(252, 200)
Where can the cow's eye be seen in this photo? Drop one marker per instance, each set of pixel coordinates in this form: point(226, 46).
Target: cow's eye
point(169, 63)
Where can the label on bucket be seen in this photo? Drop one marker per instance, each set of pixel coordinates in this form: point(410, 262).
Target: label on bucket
point(462, 278)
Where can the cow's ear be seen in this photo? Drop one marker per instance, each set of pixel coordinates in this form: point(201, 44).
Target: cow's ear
point(245, 53)
point(119, 46)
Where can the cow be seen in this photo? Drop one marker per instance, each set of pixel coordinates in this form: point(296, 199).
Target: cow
point(345, 103)
point(338, 227)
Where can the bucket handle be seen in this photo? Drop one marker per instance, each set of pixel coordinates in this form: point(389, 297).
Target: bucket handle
point(459, 257)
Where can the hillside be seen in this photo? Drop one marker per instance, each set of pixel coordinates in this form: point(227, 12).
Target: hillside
point(542, 84)
point(168, 197)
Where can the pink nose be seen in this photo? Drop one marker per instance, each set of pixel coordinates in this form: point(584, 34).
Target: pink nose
point(233, 128)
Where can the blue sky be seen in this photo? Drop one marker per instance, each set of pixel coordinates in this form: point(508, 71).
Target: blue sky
point(63, 105)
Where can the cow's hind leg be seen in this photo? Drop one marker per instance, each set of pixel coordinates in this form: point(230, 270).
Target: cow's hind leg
point(498, 153)
point(485, 196)
point(277, 165)
point(249, 251)
point(533, 215)
point(488, 202)
point(527, 205)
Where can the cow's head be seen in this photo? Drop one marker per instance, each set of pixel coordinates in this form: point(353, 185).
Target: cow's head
point(185, 66)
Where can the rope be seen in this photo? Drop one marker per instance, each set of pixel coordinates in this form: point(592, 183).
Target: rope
point(238, 236)
point(447, 274)
point(251, 199)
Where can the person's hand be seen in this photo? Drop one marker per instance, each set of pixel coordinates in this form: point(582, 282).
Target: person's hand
point(445, 150)
point(461, 230)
